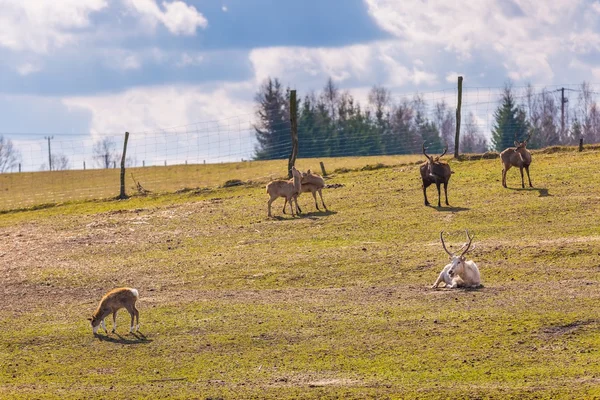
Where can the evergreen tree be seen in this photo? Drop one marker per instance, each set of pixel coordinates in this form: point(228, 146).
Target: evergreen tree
point(510, 122)
point(273, 127)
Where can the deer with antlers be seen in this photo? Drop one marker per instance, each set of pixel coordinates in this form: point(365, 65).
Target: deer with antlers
point(517, 157)
point(435, 171)
point(287, 189)
point(459, 273)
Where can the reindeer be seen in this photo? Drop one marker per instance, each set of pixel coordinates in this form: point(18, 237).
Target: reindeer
point(517, 157)
point(312, 183)
point(112, 302)
point(288, 189)
point(459, 273)
point(435, 171)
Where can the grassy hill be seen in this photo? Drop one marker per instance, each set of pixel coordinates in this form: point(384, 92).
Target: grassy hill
point(235, 305)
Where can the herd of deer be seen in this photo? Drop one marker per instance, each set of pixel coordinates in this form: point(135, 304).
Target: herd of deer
point(458, 273)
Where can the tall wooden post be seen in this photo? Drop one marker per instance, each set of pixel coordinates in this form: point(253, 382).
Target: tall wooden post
point(122, 195)
point(294, 132)
point(458, 105)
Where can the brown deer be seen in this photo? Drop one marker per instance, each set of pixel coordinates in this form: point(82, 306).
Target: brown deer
point(517, 157)
point(287, 189)
point(112, 302)
point(435, 171)
point(312, 183)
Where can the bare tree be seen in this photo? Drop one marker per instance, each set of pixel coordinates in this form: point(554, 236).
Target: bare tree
point(472, 140)
point(9, 156)
point(445, 120)
point(105, 153)
point(60, 162)
point(331, 96)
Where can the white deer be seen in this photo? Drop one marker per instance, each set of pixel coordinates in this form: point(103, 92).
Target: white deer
point(459, 273)
point(112, 302)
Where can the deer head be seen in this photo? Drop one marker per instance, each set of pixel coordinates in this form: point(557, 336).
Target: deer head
point(523, 144)
point(435, 167)
point(457, 261)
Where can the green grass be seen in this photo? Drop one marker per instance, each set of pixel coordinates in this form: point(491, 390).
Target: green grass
point(235, 305)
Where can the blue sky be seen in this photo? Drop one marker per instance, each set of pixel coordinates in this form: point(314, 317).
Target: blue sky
point(81, 69)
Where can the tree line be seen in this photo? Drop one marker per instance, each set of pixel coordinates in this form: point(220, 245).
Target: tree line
point(331, 123)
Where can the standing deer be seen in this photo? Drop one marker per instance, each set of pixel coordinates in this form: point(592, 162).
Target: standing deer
point(459, 273)
point(112, 302)
point(517, 157)
point(435, 171)
point(312, 183)
point(287, 189)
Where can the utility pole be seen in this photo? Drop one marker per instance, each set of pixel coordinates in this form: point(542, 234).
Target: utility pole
point(49, 152)
point(562, 112)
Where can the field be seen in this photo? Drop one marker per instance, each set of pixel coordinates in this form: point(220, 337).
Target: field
point(338, 304)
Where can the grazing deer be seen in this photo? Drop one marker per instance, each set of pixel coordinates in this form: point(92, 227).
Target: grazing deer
point(459, 273)
point(517, 157)
point(435, 171)
point(288, 189)
point(312, 183)
point(112, 302)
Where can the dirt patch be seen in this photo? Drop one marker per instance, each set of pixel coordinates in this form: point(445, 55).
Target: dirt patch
point(559, 330)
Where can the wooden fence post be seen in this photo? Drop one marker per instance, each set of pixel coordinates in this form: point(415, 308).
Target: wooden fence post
point(323, 168)
point(458, 106)
point(122, 195)
point(294, 132)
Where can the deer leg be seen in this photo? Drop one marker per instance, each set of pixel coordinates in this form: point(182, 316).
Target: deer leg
point(291, 207)
point(446, 192)
point(104, 326)
point(321, 195)
point(269, 205)
point(298, 209)
point(114, 322)
point(522, 180)
point(528, 177)
point(284, 204)
point(425, 194)
point(132, 314)
point(439, 194)
point(315, 197)
point(504, 170)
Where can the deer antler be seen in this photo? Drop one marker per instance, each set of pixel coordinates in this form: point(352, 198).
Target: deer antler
point(428, 157)
point(444, 244)
point(470, 239)
point(445, 150)
point(528, 136)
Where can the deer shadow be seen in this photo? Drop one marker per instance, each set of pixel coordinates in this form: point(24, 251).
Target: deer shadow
point(543, 192)
point(315, 214)
point(449, 208)
point(140, 338)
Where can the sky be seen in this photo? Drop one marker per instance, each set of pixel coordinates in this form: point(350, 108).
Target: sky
point(181, 75)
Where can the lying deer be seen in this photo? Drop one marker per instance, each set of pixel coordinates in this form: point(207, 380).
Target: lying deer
point(287, 189)
point(112, 302)
point(312, 183)
point(459, 273)
point(435, 171)
point(517, 157)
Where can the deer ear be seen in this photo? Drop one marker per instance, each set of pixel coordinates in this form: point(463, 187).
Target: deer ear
point(517, 143)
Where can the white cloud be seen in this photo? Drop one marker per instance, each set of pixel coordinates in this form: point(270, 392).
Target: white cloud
point(178, 17)
point(40, 26)
point(156, 108)
point(27, 69)
point(224, 8)
point(188, 59)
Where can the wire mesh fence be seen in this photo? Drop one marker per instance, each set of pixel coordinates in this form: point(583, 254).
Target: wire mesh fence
point(58, 167)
